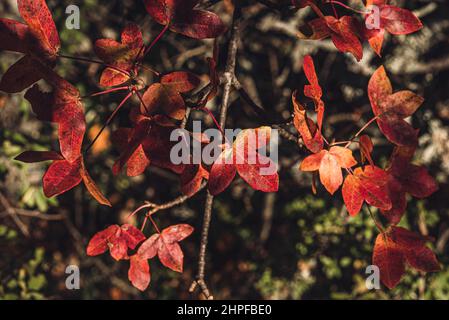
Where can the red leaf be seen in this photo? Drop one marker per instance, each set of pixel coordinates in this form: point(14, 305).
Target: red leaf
point(61, 176)
point(184, 19)
point(397, 246)
point(171, 255)
point(112, 77)
point(392, 19)
point(165, 98)
point(310, 134)
point(92, 187)
point(117, 239)
point(13, 35)
point(177, 233)
point(404, 177)
point(416, 253)
point(366, 148)
point(390, 259)
point(379, 88)
point(352, 196)
point(314, 90)
point(139, 272)
point(344, 35)
point(62, 106)
point(135, 140)
point(20, 76)
point(100, 241)
point(399, 21)
point(132, 235)
point(423, 259)
point(157, 147)
point(40, 22)
point(222, 173)
point(149, 249)
point(329, 164)
point(120, 54)
point(391, 109)
point(38, 39)
point(181, 81)
point(191, 178)
point(368, 185)
point(166, 246)
point(316, 29)
point(376, 41)
point(38, 156)
point(257, 170)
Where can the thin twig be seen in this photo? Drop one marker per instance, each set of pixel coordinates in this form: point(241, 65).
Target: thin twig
point(229, 77)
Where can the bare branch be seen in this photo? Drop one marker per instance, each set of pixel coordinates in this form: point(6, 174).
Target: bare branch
point(229, 76)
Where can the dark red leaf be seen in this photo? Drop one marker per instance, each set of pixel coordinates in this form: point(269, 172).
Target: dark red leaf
point(184, 19)
point(20, 76)
point(100, 242)
point(38, 156)
point(181, 81)
point(117, 239)
point(61, 176)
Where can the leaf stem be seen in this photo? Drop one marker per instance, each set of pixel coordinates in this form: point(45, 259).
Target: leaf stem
point(335, 2)
point(153, 223)
point(89, 60)
point(106, 92)
point(156, 40)
point(376, 222)
point(361, 131)
point(111, 117)
point(143, 102)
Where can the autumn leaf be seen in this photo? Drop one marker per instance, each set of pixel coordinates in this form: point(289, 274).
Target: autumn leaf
point(392, 108)
point(316, 29)
point(192, 178)
point(344, 33)
point(389, 258)
point(62, 106)
point(181, 81)
point(38, 156)
point(182, 17)
point(92, 187)
point(329, 165)
point(397, 247)
point(394, 20)
point(61, 176)
point(243, 157)
point(147, 143)
point(366, 148)
point(120, 54)
point(38, 39)
point(132, 148)
point(165, 245)
point(309, 130)
point(117, 239)
point(368, 184)
point(165, 97)
point(406, 178)
point(139, 272)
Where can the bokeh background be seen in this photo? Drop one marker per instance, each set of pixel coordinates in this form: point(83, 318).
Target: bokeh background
point(289, 245)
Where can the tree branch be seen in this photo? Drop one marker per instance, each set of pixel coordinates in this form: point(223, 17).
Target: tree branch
point(229, 76)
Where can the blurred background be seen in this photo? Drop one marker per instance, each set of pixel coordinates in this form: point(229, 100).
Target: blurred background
point(289, 245)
